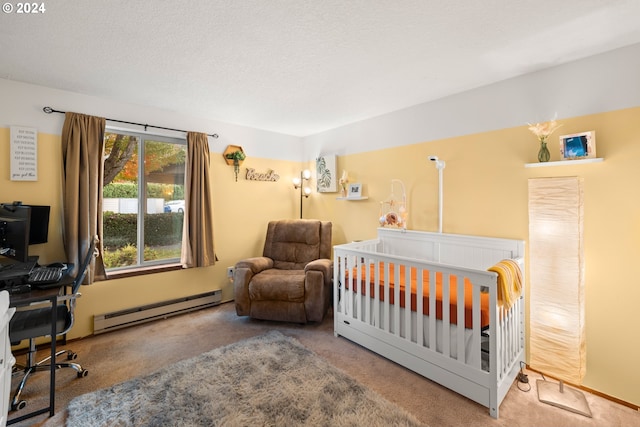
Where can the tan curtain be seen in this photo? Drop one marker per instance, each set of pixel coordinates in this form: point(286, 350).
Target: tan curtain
point(82, 153)
point(197, 235)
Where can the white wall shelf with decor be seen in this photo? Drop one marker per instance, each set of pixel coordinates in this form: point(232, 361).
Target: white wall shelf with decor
point(563, 162)
point(352, 198)
point(352, 192)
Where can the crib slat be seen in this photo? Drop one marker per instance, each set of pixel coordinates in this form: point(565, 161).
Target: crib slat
point(419, 307)
point(476, 335)
point(494, 331)
point(358, 288)
point(503, 338)
point(376, 293)
point(446, 316)
point(396, 300)
point(387, 299)
point(366, 292)
point(460, 324)
point(346, 301)
point(407, 303)
point(432, 310)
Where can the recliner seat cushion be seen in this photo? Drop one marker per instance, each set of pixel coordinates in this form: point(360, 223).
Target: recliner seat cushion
point(278, 285)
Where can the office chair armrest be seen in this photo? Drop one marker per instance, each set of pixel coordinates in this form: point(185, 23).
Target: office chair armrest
point(63, 298)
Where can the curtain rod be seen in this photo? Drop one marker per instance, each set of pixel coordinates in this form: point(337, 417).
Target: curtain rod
point(50, 110)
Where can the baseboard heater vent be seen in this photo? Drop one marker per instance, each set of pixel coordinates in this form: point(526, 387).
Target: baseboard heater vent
point(146, 313)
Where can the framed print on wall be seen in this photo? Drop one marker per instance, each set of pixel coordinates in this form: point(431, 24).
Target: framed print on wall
point(355, 190)
point(578, 146)
point(327, 181)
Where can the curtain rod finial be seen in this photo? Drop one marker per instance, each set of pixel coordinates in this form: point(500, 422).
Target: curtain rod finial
point(48, 110)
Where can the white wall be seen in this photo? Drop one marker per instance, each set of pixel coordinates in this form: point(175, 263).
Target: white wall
point(21, 105)
point(601, 83)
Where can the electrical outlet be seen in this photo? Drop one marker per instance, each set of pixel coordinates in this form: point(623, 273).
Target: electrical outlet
point(230, 272)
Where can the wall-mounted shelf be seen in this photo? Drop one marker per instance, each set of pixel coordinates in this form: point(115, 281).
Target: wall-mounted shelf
point(563, 163)
point(352, 198)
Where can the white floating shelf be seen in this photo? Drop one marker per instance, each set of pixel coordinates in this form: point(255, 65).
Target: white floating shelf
point(563, 163)
point(352, 198)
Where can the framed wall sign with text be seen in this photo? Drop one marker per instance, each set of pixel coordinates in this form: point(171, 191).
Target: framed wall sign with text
point(24, 154)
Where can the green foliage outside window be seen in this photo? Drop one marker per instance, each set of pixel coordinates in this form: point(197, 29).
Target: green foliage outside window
point(126, 256)
point(162, 229)
point(128, 190)
point(163, 237)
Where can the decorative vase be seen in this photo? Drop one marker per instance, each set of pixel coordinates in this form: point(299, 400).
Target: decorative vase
point(543, 154)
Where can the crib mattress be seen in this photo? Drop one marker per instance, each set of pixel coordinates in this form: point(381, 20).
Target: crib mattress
point(453, 297)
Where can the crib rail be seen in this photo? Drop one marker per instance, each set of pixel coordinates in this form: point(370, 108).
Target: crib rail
point(474, 360)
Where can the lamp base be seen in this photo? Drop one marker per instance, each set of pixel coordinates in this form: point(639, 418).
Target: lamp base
point(563, 397)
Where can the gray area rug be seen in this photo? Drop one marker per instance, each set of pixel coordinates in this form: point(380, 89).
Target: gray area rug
point(269, 380)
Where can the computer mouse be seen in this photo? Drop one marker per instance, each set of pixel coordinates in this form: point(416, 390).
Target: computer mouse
point(57, 265)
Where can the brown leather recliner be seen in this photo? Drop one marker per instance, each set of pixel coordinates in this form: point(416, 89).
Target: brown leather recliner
point(292, 280)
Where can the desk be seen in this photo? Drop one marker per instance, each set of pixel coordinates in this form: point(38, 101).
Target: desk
point(43, 296)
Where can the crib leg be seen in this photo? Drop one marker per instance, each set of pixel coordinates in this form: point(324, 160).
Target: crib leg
point(493, 405)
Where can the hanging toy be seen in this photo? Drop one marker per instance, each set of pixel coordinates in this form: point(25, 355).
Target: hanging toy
point(393, 211)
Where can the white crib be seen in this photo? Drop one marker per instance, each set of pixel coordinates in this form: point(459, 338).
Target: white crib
point(479, 357)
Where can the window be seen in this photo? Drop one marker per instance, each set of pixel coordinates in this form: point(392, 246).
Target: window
point(143, 206)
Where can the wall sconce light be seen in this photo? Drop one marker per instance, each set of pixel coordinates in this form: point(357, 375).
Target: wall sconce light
point(298, 183)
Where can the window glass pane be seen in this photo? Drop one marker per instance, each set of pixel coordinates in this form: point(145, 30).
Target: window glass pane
point(120, 200)
point(164, 181)
point(150, 218)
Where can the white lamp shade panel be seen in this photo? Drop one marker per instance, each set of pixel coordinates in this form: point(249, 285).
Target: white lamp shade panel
point(557, 342)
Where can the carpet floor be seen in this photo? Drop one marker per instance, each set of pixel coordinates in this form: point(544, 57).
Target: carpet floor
point(268, 380)
point(138, 351)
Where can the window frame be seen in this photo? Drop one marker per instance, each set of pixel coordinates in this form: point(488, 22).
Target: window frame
point(142, 266)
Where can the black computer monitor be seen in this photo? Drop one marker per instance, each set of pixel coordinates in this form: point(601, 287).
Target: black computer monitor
point(39, 224)
point(14, 232)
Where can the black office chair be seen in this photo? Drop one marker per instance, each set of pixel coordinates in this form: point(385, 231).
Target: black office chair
point(34, 323)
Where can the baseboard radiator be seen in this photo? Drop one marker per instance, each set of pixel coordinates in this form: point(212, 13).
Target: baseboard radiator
point(146, 313)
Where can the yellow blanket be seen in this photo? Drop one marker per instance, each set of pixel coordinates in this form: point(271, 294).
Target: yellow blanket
point(509, 282)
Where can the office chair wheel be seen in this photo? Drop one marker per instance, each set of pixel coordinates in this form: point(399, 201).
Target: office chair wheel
point(71, 355)
point(20, 405)
point(83, 373)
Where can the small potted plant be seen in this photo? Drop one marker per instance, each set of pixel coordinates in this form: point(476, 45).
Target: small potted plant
point(235, 155)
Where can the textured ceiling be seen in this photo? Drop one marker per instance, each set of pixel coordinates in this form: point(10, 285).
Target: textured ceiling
point(300, 66)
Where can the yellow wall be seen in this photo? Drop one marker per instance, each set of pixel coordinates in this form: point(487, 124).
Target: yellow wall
point(485, 193)
point(242, 210)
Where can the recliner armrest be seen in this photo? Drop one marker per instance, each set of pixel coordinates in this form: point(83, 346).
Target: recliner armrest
point(245, 269)
point(255, 264)
point(323, 265)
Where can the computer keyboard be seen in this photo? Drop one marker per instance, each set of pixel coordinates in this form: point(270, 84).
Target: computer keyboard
point(44, 275)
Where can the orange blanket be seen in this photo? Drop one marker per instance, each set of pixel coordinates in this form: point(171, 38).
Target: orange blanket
point(453, 298)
